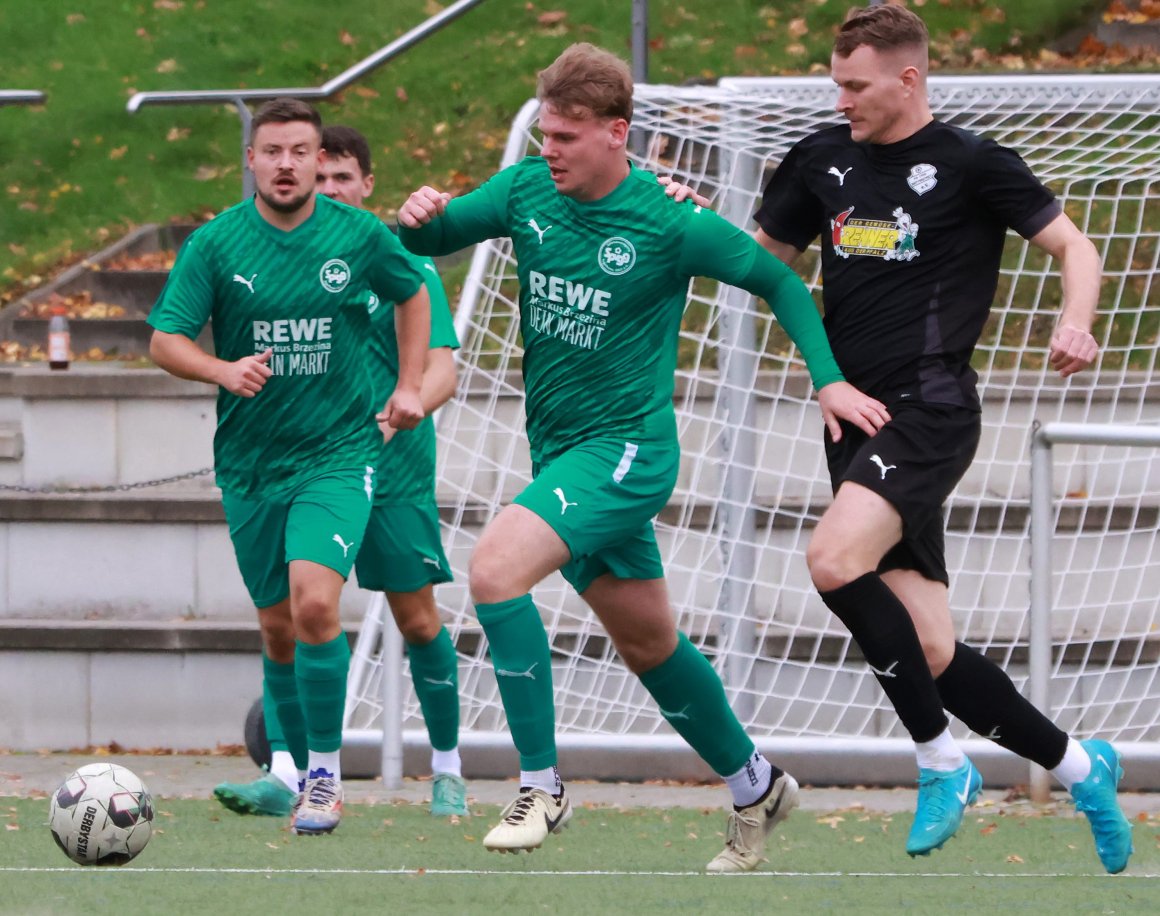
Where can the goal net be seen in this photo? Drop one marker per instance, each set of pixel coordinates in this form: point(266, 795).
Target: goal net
point(753, 481)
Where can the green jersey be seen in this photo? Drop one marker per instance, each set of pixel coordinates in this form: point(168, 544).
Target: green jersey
point(303, 295)
point(405, 472)
point(603, 285)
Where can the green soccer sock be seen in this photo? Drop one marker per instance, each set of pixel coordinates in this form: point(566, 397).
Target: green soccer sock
point(435, 673)
point(282, 709)
point(692, 700)
point(523, 670)
point(322, 671)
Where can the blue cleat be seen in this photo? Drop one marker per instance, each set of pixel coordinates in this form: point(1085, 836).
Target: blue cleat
point(942, 799)
point(318, 809)
point(1096, 798)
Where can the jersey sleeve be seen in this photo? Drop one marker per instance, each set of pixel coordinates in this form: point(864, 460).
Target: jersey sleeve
point(442, 325)
point(1007, 187)
point(789, 211)
point(474, 217)
point(715, 248)
point(393, 274)
point(186, 301)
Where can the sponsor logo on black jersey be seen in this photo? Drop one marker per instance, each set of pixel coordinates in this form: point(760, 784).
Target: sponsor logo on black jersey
point(889, 239)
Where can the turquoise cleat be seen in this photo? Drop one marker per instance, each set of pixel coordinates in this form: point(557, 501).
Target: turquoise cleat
point(448, 796)
point(267, 795)
point(1096, 798)
point(942, 799)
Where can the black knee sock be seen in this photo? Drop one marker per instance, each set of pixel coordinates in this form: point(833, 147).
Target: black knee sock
point(882, 627)
point(980, 694)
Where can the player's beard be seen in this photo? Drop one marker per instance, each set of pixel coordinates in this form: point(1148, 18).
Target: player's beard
point(293, 205)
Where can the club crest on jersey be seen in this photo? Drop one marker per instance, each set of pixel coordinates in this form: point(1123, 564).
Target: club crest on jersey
point(616, 256)
point(922, 178)
point(876, 238)
point(335, 275)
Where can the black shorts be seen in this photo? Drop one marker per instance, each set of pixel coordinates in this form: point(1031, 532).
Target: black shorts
point(914, 462)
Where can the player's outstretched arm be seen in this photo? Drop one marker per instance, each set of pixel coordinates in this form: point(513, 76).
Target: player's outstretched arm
point(1072, 346)
point(180, 356)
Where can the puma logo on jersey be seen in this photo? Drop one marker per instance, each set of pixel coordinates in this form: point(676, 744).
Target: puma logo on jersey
point(343, 544)
point(564, 504)
point(431, 562)
point(248, 284)
point(679, 714)
point(888, 672)
point(446, 682)
point(503, 672)
point(882, 466)
point(841, 176)
point(993, 734)
point(536, 228)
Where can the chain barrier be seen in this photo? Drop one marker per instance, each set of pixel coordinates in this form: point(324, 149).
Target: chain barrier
point(109, 488)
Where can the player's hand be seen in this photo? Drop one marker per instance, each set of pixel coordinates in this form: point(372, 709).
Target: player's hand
point(422, 207)
point(385, 428)
point(680, 192)
point(247, 376)
point(842, 401)
point(1071, 350)
point(404, 410)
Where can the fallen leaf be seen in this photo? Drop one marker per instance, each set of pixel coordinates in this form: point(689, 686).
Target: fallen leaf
point(118, 151)
point(346, 38)
point(797, 28)
point(167, 66)
point(401, 94)
point(552, 17)
point(365, 92)
point(1014, 859)
point(74, 18)
point(170, 5)
point(177, 133)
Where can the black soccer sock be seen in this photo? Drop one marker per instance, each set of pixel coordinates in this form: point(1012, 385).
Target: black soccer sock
point(882, 627)
point(980, 694)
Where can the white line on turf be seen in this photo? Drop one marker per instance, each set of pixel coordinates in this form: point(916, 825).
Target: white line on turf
point(411, 872)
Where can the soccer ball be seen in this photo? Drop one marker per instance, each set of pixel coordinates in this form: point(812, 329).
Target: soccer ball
point(101, 815)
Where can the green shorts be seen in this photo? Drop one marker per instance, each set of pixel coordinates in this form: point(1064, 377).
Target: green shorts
point(600, 498)
point(321, 520)
point(402, 550)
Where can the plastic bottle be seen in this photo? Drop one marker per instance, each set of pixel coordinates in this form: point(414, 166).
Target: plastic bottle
point(59, 342)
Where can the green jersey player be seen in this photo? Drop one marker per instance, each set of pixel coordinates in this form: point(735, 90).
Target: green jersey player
point(401, 553)
point(604, 265)
point(284, 278)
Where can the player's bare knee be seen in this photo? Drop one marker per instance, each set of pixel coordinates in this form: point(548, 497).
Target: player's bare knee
point(315, 618)
point(417, 626)
point(830, 566)
point(278, 644)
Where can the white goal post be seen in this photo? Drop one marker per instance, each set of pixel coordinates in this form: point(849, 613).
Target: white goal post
point(753, 480)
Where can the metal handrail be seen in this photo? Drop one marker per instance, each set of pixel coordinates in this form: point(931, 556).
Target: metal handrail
point(239, 97)
point(21, 97)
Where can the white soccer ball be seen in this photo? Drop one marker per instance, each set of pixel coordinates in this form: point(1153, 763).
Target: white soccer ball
point(102, 814)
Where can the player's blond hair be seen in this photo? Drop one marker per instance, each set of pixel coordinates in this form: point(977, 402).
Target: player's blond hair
point(884, 28)
point(586, 80)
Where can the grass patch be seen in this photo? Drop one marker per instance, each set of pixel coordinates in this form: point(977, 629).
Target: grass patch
point(205, 860)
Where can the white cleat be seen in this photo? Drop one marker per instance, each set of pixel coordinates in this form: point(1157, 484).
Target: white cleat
point(528, 820)
point(749, 828)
